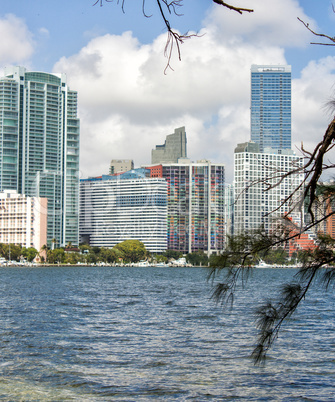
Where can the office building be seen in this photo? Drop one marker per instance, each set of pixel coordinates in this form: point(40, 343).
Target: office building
point(173, 148)
point(271, 106)
point(196, 209)
point(123, 207)
point(23, 220)
point(258, 202)
point(120, 165)
point(323, 209)
point(39, 157)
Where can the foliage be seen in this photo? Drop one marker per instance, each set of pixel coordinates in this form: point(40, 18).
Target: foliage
point(10, 251)
point(56, 256)
point(159, 258)
point(197, 259)
point(29, 253)
point(277, 256)
point(169, 254)
point(108, 255)
point(131, 250)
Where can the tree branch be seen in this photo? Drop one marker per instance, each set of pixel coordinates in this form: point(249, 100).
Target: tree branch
point(332, 39)
point(174, 39)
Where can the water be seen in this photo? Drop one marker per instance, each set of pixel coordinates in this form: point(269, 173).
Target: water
point(148, 334)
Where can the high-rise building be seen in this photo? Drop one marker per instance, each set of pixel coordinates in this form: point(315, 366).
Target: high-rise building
point(123, 207)
point(173, 148)
point(271, 106)
point(121, 165)
point(261, 186)
point(39, 133)
point(23, 220)
point(196, 210)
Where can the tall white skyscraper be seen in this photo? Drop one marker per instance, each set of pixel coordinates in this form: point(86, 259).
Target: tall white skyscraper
point(253, 173)
point(271, 106)
point(39, 132)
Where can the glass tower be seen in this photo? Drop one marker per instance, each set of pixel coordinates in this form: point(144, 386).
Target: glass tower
point(271, 106)
point(39, 134)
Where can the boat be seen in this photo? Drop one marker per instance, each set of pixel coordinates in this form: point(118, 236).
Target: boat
point(161, 265)
point(142, 264)
point(263, 264)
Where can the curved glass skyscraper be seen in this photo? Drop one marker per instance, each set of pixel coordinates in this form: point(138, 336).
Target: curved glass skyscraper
point(271, 106)
point(39, 153)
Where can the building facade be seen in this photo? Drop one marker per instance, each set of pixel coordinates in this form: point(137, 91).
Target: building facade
point(124, 207)
point(23, 220)
point(258, 201)
point(323, 210)
point(121, 165)
point(271, 106)
point(175, 147)
point(196, 205)
point(39, 132)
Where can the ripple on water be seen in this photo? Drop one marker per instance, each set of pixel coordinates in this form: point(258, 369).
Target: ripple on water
point(136, 335)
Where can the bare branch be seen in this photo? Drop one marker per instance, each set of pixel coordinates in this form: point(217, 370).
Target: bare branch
point(168, 7)
point(332, 39)
point(238, 9)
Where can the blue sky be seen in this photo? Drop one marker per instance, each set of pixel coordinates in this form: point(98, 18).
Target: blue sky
point(127, 105)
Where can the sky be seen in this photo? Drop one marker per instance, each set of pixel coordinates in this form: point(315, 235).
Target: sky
point(127, 105)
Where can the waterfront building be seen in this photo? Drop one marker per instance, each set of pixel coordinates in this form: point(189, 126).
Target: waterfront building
point(323, 209)
point(123, 207)
point(299, 241)
point(271, 106)
point(120, 165)
point(175, 147)
point(196, 205)
point(39, 156)
point(258, 201)
point(23, 220)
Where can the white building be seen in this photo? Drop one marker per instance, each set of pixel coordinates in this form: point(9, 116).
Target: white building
point(23, 220)
point(254, 172)
point(124, 207)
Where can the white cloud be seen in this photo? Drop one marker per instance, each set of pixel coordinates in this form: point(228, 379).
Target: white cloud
point(311, 92)
point(272, 23)
point(127, 104)
point(17, 44)
point(44, 32)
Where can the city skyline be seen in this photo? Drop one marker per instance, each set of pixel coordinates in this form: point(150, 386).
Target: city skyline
point(208, 91)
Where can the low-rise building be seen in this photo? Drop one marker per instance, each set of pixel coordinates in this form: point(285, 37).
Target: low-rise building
point(23, 220)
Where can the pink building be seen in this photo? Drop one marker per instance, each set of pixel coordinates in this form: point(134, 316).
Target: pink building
point(23, 220)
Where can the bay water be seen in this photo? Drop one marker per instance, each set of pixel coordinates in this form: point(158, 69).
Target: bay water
point(154, 334)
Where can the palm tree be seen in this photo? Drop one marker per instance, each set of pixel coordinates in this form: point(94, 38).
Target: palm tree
point(53, 242)
point(44, 249)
